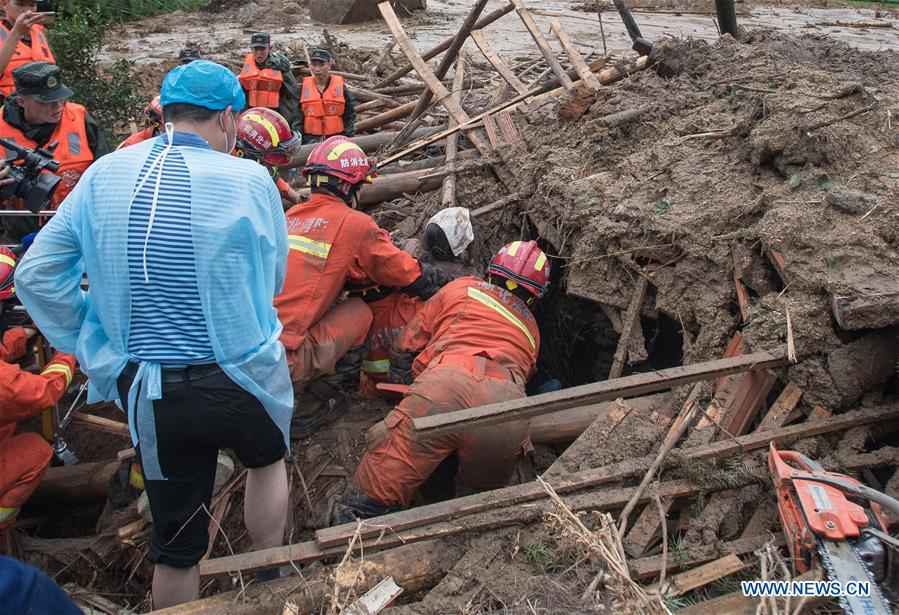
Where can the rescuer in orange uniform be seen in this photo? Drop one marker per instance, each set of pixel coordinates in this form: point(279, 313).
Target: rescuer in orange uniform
point(326, 106)
point(334, 247)
point(478, 343)
point(268, 80)
point(24, 40)
point(23, 457)
point(39, 114)
point(447, 235)
point(153, 120)
point(265, 136)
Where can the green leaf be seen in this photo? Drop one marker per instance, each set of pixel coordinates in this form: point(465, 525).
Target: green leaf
point(662, 205)
point(795, 181)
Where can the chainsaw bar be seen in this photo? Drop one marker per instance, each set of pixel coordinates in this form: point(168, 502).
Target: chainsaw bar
point(842, 563)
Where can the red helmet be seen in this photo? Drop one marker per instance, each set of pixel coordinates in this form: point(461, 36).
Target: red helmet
point(153, 112)
point(265, 136)
point(340, 158)
point(522, 263)
point(7, 273)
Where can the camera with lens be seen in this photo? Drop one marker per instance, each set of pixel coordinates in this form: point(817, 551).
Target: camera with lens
point(30, 183)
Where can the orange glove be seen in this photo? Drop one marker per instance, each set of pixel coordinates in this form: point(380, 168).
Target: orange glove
point(13, 346)
point(63, 364)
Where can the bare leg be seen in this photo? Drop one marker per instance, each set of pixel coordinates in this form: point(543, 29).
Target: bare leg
point(173, 586)
point(265, 505)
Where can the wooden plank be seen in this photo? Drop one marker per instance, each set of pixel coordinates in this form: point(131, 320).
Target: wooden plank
point(502, 517)
point(742, 297)
point(648, 567)
point(779, 263)
point(483, 22)
point(646, 530)
point(702, 575)
point(528, 20)
point(480, 39)
point(749, 395)
point(865, 310)
point(781, 408)
point(527, 492)
point(627, 326)
point(577, 60)
point(629, 386)
point(448, 194)
point(566, 425)
point(99, 423)
point(453, 107)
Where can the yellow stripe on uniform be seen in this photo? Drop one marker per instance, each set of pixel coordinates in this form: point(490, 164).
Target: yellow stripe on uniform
point(512, 250)
point(495, 305)
point(541, 260)
point(346, 146)
point(381, 366)
point(319, 249)
point(59, 368)
point(7, 513)
point(272, 132)
point(7, 260)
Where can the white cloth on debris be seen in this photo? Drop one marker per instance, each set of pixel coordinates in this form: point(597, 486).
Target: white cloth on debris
point(456, 225)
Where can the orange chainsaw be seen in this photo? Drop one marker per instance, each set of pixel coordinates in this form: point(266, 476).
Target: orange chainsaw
point(835, 522)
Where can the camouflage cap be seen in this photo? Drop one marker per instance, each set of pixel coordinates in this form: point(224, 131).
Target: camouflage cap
point(40, 80)
point(261, 39)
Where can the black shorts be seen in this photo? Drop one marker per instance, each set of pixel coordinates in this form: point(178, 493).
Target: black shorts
point(195, 418)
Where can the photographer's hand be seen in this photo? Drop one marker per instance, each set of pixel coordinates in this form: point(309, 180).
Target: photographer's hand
point(25, 21)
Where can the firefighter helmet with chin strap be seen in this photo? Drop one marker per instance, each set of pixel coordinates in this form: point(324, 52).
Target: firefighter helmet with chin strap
point(7, 274)
point(338, 164)
point(522, 264)
point(265, 136)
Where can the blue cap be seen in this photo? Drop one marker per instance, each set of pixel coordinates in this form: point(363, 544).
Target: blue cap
point(204, 84)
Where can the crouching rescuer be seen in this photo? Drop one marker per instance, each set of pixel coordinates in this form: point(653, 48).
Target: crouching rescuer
point(24, 457)
point(478, 344)
point(333, 246)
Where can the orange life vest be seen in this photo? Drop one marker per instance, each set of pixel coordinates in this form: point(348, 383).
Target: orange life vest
point(263, 86)
point(72, 151)
point(39, 51)
point(138, 137)
point(323, 111)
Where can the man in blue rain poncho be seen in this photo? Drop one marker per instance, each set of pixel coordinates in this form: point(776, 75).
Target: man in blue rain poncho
point(185, 247)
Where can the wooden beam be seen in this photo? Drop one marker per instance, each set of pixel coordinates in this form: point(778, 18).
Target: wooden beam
point(702, 575)
point(577, 60)
point(550, 56)
point(99, 423)
point(386, 117)
point(527, 492)
point(497, 204)
point(480, 39)
point(646, 529)
point(448, 59)
point(483, 22)
point(742, 404)
point(865, 310)
point(627, 326)
point(370, 143)
point(448, 195)
point(453, 107)
point(648, 567)
point(629, 386)
point(81, 482)
point(502, 517)
point(781, 408)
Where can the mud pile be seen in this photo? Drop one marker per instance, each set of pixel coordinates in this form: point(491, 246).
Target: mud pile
point(745, 150)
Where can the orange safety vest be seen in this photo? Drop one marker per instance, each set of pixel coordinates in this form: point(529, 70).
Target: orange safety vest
point(263, 86)
point(138, 137)
point(39, 51)
point(323, 111)
point(73, 151)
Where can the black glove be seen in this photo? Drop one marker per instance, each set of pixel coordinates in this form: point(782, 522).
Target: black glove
point(428, 283)
point(401, 367)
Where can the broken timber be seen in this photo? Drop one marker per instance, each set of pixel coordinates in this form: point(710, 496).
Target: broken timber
point(99, 423)
point(448, 195)
point(508, 514)
point(480, 39)
point(443, 95)
point(543, 44)
point(577, 60)
point(627, 326)
point(467, 505)
point(629, 386)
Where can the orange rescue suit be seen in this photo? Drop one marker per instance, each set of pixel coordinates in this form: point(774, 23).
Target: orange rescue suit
point(24, 457)
point(73, 151)
point(323, 111)
point(263, 86)
point(38, 51)
point(331, 246)
point(139, 137)
point(479, 344)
